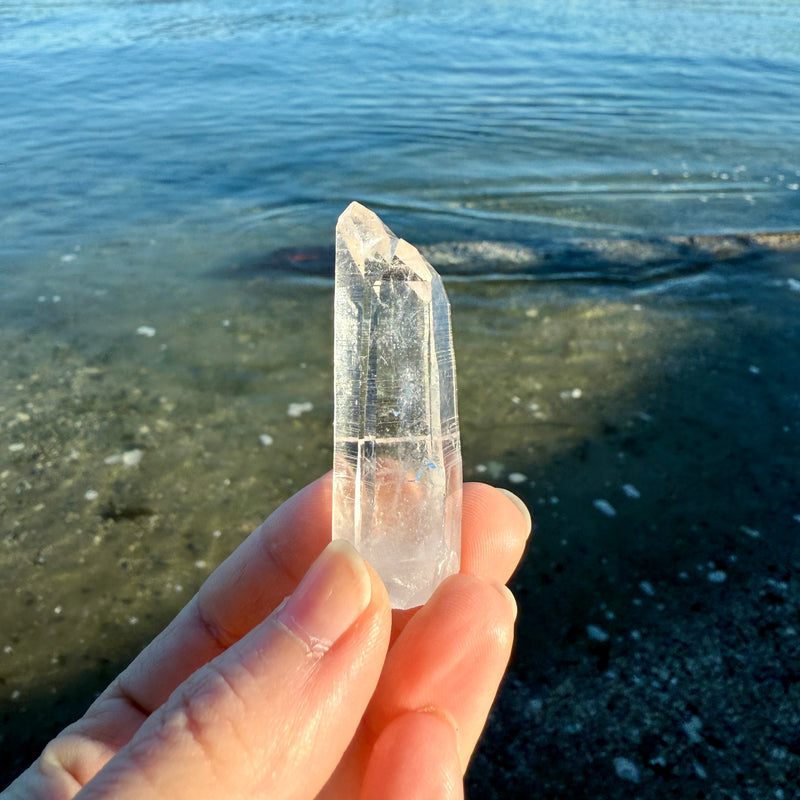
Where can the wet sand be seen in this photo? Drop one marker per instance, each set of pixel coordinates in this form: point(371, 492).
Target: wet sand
point(659, 630)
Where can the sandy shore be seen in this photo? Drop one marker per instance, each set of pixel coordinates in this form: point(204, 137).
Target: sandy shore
point(652, 427)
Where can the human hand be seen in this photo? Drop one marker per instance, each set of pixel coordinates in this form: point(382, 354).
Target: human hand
point(330, 694)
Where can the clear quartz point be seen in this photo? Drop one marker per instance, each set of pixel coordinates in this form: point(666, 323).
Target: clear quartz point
point(397, 452)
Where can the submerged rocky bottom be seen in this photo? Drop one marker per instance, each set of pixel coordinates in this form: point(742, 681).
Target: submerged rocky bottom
point(652, 428)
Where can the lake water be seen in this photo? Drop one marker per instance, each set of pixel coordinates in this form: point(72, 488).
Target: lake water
point(612, 191)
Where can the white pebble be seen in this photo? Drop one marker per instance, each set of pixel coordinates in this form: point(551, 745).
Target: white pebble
point(796, 517)
point(297, 409)
point(57, 610)
point(495, 469)
point(699, 770)
point(647, 588)
point(41, 298)
point(16, 447)
point(717, 576)
point(130, 458)
point(631, 491)
point(575, 394)
point(200, 564)
point(480, 468)
point(146, 330)
point(226, 323)
point(91, 494)
point(794, 284)
point(692, 728)
point(751, 532)
point(56, 298)
point(216, 534)
point(754, 370)
point(266, 439)
point(596, 634)
point(133, 620)
point(68, 257)
point(604, 507)
point(517, 477)
point(626, 769)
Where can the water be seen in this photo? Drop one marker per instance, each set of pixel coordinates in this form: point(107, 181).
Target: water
point(252, 128)
point(602, 185)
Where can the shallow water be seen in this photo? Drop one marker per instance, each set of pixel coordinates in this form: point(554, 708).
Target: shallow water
point(171, 174)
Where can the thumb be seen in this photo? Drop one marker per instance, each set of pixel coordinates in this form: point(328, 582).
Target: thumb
point(273, 714)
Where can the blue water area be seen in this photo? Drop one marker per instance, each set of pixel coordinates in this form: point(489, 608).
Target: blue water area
point(248, 127)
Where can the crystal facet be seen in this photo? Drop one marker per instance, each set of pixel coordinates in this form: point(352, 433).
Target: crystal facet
point(397, 453)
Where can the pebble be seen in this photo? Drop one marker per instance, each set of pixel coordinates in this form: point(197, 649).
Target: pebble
point(699, 770)
point(200, 564)
point(16, 447)
point(266, 439)
point(796, 517)
point(495, 469)
point(751, 532)
point(91, 494)
point(794, 284)
point(692, 728)
point(596, 633)
point(146, 330)
point(517, 477)
point(647, 588)
point(574, 394)
point(130, 458)
point(626, 769)
point(297, 409)
point(754, 370)
point(631, 491)
point(604, 507)
point(480, 468)
point(717, 576)
point(216, 534)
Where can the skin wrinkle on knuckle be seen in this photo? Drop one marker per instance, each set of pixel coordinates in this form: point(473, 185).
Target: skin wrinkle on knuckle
point(199, 716)
point(57, 758)
point(220, 636)
point(119, 690)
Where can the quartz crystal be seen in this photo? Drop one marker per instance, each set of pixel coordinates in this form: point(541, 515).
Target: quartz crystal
point(397, 453)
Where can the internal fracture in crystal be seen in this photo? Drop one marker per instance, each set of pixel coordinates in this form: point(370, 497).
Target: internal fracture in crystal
point(397, 453)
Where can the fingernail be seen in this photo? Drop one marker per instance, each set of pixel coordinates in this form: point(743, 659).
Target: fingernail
point(330, 598)
point(509, 596)
point(523, 509)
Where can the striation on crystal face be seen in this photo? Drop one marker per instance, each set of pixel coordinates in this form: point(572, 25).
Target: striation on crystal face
point(397, 452)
